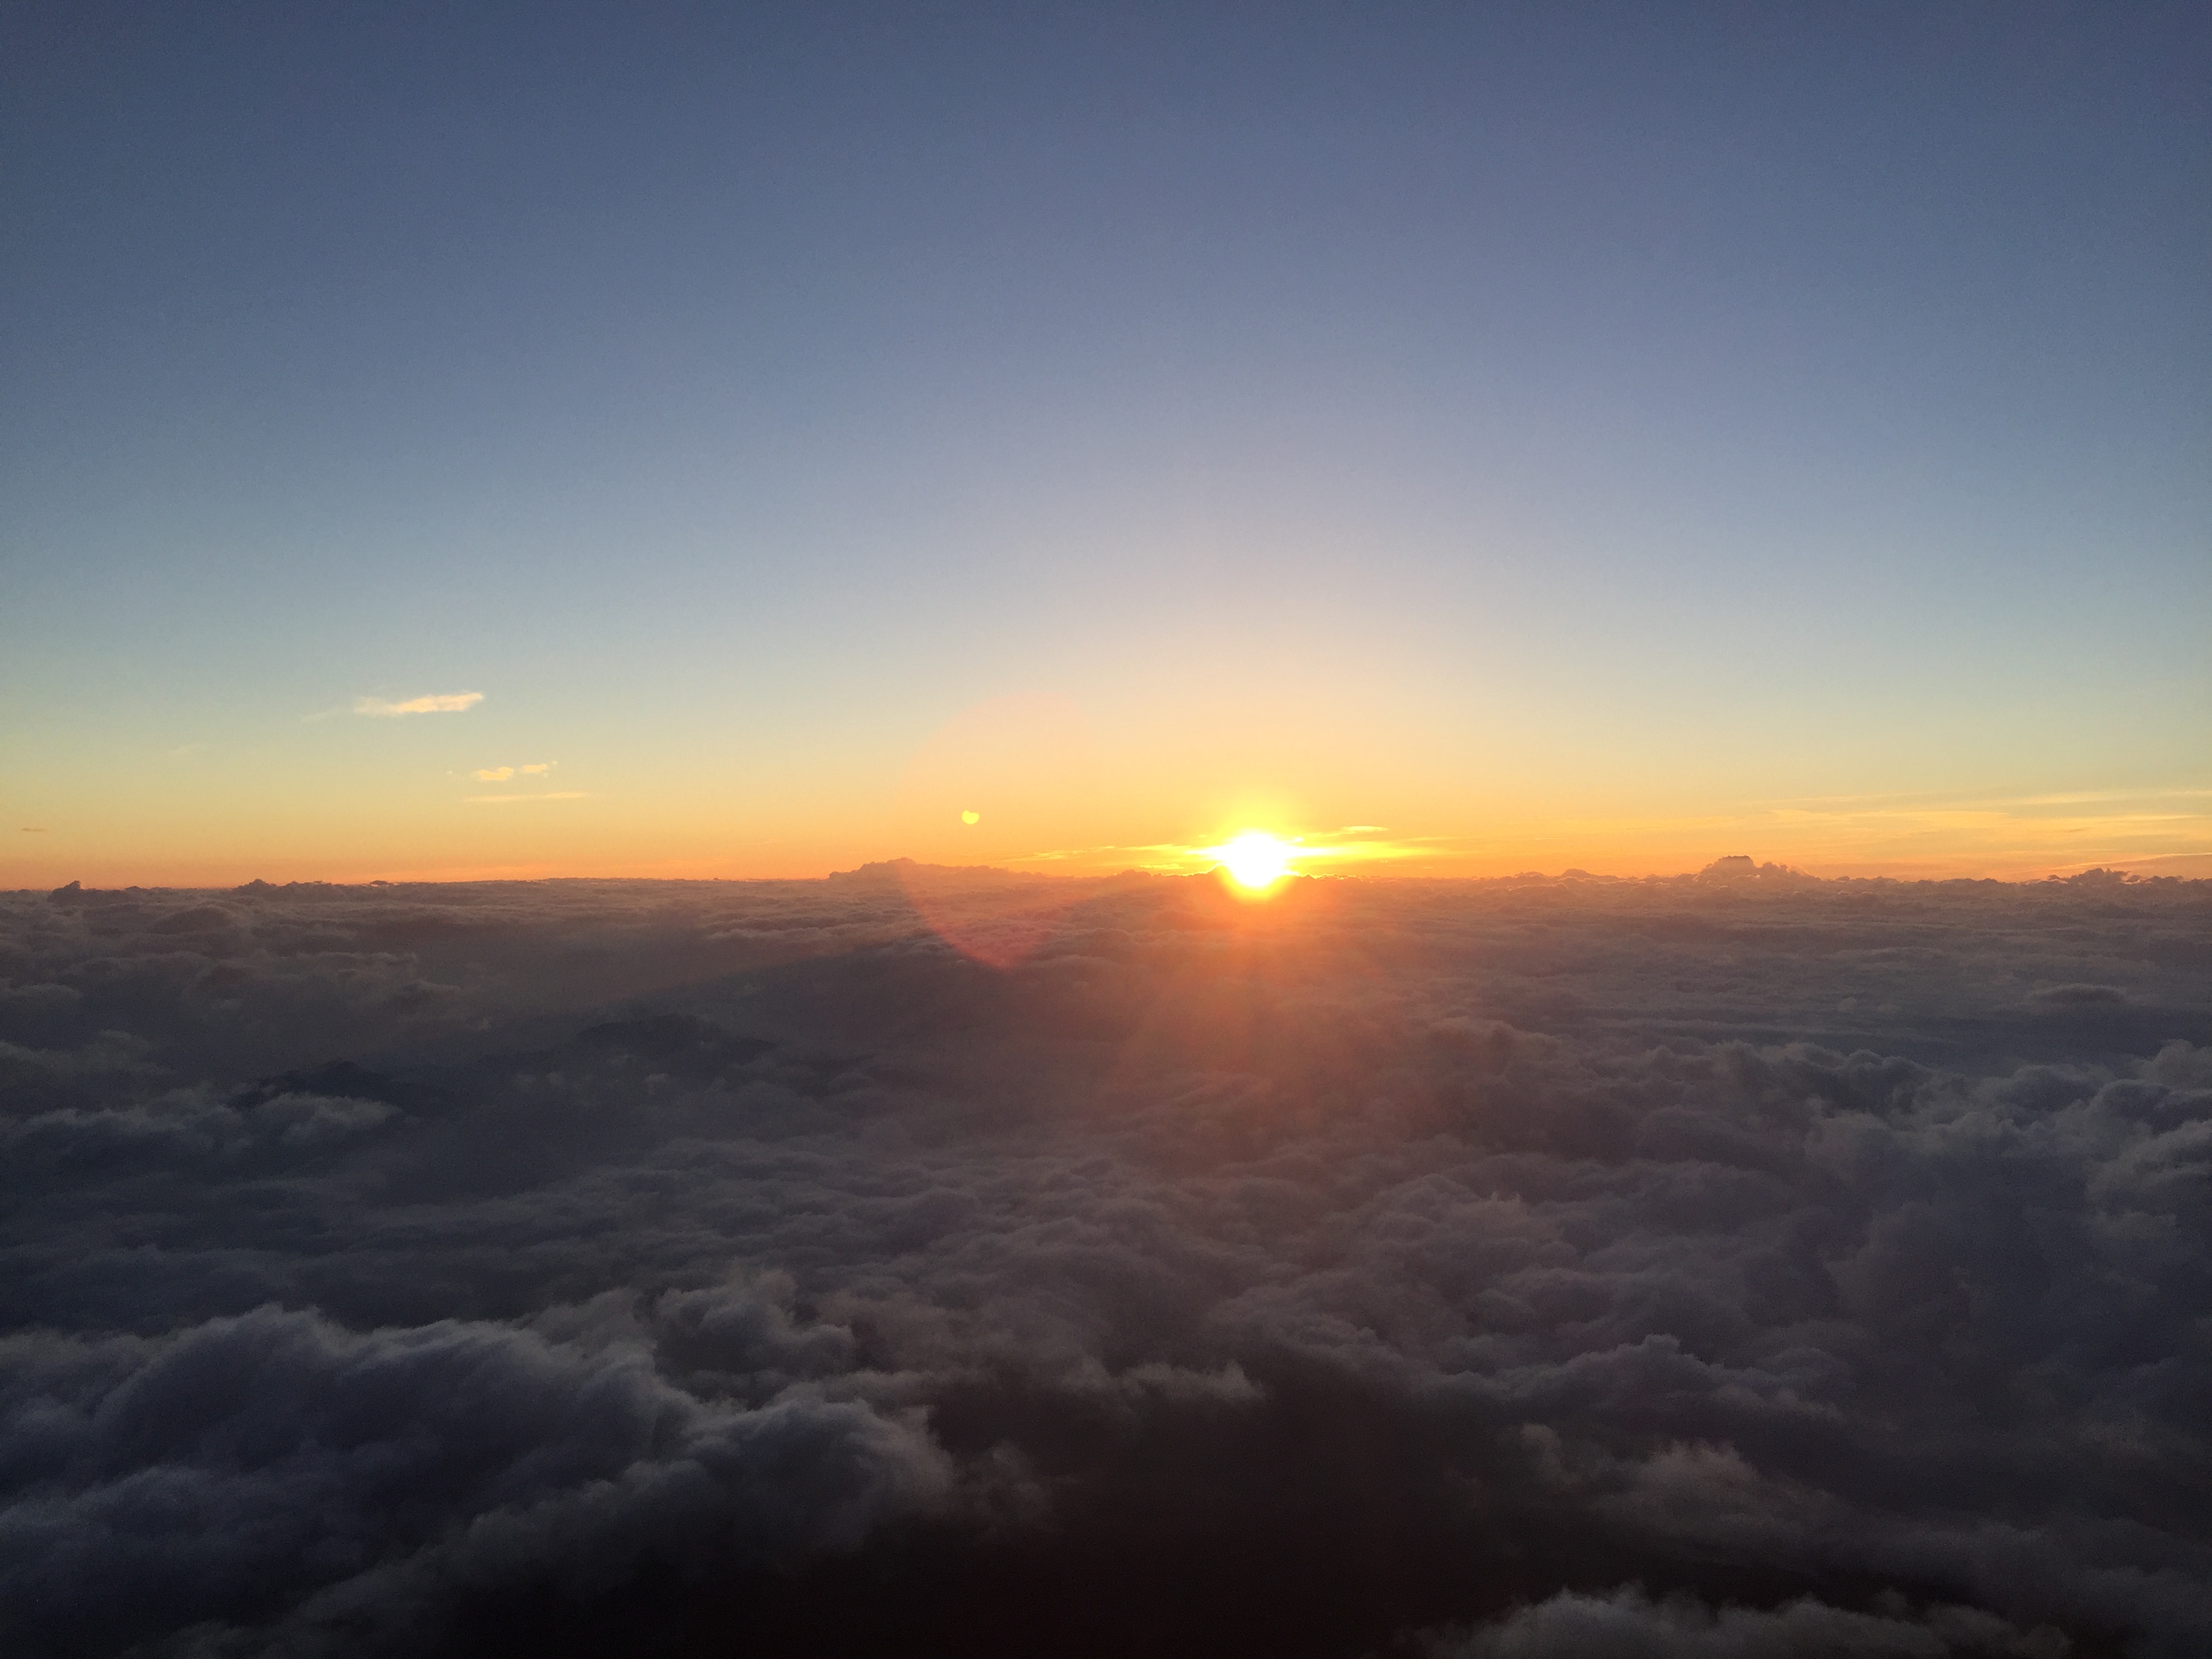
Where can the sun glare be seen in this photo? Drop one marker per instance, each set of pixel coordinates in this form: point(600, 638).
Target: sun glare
point(1255, 859)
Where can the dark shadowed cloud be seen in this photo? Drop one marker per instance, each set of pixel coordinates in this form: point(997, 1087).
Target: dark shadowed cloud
point(1733, 1266)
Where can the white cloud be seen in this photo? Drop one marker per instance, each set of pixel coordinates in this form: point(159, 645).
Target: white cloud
point(436, 703)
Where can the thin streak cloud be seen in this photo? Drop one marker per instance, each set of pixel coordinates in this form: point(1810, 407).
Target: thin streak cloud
point(501, 800)
point(436, 703)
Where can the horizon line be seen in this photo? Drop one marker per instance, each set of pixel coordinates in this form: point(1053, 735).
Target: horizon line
point(1765, 875)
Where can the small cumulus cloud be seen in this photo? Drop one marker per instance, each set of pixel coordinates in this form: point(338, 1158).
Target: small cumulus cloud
point(553, 794)
point(436, 703)
point(493, 773)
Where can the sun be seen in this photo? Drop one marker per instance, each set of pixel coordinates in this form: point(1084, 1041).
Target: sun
point(1254, 859)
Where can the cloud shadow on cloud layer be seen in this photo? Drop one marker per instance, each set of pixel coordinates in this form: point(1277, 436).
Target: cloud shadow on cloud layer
point(1739, 1265)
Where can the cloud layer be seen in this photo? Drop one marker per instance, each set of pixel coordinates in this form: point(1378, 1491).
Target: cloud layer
point(1738, 1266)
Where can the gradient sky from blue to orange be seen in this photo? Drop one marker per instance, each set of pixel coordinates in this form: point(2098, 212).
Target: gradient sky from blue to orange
point(1562, 435)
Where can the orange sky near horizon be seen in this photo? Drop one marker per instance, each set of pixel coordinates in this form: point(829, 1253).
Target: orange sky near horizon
point(1030, 781)
point(581, 834)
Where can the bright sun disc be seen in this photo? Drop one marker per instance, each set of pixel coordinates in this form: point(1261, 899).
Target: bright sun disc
point(1256, 858)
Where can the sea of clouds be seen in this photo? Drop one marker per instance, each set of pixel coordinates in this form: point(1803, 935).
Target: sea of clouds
point(1739, 1265)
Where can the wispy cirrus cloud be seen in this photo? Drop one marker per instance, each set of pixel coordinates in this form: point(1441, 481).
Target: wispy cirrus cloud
point(436, 703)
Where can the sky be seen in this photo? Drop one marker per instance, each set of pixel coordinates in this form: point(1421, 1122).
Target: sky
point(1471, 440)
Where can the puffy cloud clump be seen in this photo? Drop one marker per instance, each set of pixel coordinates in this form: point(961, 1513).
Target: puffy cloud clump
point(1740, 1265)
point(271, 1466)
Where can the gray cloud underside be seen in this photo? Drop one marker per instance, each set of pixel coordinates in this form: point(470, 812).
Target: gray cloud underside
point(1741, 1268)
